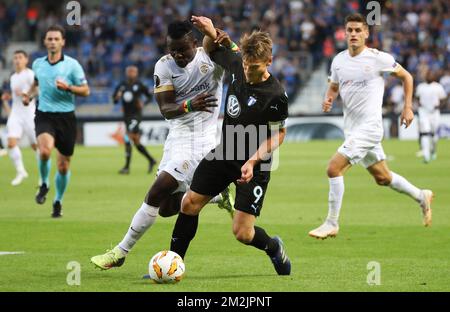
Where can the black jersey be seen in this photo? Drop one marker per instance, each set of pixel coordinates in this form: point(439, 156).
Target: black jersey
point(252, 110)
point(131, 94)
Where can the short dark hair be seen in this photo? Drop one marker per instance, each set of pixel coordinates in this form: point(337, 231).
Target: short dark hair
point(178, 30)
point(356, 17)
point(21, 52)
point(56, 28)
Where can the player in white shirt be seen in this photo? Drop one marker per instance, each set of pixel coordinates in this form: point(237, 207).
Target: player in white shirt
point(356, 74)
point(188, 86)
point(21, 119)
point(431, 95)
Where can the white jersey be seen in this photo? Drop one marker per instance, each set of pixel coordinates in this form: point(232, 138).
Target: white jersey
point(361, 86)
point(21, 83)
point(430, 95)
point(201, 75)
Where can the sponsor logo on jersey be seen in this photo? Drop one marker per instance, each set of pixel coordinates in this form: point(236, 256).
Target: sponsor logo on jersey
point(251, 101)
point(233, 107)
point(204, 68)
point(201, 87)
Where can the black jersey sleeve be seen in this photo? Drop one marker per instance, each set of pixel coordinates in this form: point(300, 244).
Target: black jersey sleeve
point(277, 112)
point(226, 58)
point(145, 91)
point(116, 90)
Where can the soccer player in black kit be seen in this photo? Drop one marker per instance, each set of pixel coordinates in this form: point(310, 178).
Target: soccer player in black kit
point(254, 123)
point(129, 92)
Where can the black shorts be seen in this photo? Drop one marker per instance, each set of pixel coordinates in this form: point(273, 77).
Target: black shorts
point(212, 176)
point(61, 126)
point(133, 124)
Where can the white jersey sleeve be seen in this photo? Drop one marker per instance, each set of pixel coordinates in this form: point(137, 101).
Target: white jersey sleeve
point(419, 90)
point(333, 77)
point(386, 63)
point(440, 91)
point(162, 76)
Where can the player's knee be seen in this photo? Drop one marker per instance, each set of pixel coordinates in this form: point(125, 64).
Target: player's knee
point(187, 205)
point(11, 144)
point(63, 167)
point(382, 179)
point(333, 171)
point(44, 153)
point(166, 211)
point(244, 235)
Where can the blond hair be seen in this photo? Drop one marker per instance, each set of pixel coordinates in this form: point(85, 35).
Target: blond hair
point(256, 46)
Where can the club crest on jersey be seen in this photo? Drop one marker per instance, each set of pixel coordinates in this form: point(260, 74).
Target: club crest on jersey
point(251, 101)
point(233, 107)
point(204, 68)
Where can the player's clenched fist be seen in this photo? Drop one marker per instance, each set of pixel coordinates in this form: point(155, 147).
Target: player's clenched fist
point(327, 104)
point(204, 25)
point(407, 117)
point(203, 102)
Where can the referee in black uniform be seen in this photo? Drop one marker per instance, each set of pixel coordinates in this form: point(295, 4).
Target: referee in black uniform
point(129, 92)
point(253, 127)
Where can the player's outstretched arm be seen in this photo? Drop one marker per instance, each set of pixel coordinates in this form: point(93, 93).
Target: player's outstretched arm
point(264, 152)
point(206, 27)
point(331, 95)
point(408, 85)
point(28, 96)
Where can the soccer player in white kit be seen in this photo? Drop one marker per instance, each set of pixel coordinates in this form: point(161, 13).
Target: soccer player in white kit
point(21, 119)
point(356, 74)
point(431, 95)
point(188, 85)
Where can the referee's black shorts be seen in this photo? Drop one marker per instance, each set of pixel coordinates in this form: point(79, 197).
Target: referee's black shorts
point(61, 126)
point(212, 176)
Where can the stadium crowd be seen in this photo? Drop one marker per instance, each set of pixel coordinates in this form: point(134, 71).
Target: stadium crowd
point(112, 36)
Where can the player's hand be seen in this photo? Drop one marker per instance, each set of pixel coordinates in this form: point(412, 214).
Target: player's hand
point(204, 102)
point(223, 38)
point(6, 96)
point(327, 104)
point(140, 104)
point(407, 117)
point(61, 85)
point(26, 99)
point(246, 173)
point(204, 25)
point(118, 96)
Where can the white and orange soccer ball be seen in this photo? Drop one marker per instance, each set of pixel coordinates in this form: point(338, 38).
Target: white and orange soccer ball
point(166, 267)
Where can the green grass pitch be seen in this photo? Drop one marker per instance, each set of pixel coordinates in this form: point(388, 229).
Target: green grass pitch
point(377, 224)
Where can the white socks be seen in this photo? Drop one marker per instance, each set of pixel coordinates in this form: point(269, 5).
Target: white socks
point(401, 185)
point(335, 196)
point(16, 156)
point(426, 142)
point(142, 221)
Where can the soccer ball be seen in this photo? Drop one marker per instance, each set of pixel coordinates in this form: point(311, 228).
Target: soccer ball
point(166, 267)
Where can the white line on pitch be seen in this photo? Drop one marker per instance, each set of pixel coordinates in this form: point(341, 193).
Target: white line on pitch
point(5, 253)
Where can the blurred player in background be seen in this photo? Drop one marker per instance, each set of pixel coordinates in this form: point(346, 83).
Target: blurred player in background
point(21, 119)
point(4, 106)
point(129, 92)
point(255, 100)
point(60, 78)
point(431, 96)
point(356, 74)
point(188, 85)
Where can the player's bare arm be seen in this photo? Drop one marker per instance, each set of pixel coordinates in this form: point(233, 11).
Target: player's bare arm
point(408, 85)
point(82, 90)
point(264, 151)
point(331, 95)
point(169, 109)
point(5, 98)
point(28, 96)
point(214, 37)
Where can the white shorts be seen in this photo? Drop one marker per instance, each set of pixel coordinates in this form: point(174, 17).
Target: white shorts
point(181, 157)
point(429, 121)
point(364, 151)
point(19, 125)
